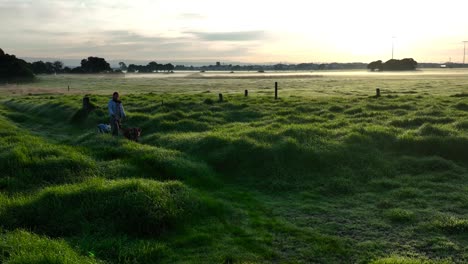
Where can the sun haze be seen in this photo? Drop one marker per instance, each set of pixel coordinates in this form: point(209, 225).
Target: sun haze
point(241, 31)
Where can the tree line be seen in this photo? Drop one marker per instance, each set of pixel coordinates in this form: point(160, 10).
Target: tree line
point(89, 65)
point(15, 69)
point(276, 67)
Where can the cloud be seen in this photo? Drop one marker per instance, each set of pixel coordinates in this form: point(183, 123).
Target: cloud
point(46, 33)
point(230, 36)
point(122, 44)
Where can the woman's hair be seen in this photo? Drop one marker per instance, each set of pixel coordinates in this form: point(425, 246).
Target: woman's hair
point(115, 93)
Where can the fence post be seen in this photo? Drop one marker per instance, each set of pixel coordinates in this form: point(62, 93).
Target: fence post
point(377, 92)
point(276, 90)
point(246, 93)
point(86, 103)
point(220, 97)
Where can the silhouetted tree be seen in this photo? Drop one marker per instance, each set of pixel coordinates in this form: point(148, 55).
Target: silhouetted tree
point(58, 66)
point(407, 64)
point(279, 67)
point(153, 67)
point(375, 65)
point(132, 68)
point(168, 67)
point(14, 69)
point(95, 65)
point(123, 66)
point(50, 67)
point(40, 67)
point(77, 70)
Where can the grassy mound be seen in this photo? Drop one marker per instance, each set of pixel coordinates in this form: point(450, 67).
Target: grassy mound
point(134, 207)
point(28, 161)
point(21, 247)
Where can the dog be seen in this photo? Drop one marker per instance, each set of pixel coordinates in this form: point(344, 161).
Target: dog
point(104, 128)
point(132, 133)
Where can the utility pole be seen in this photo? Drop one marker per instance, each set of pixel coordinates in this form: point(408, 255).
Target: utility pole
point(464, 51)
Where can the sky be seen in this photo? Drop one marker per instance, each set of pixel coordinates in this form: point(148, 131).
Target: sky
point(248, 31)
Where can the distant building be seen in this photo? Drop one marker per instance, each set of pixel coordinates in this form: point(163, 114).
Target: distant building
point(218, 63)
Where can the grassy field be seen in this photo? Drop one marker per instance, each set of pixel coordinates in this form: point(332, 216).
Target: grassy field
point(327, 173)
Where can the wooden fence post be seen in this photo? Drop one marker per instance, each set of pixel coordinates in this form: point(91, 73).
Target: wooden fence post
point(276, 90)
point(86, 103)
point(377, 92)
point(246, 93)
point(220, 97)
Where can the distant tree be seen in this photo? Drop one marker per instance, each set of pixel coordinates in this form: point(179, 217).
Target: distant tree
point(305, 66)
point(375, 65)
point(153, 67)
point(123, 66)
point(180, 67)
point(132, 68)
point(95, 65)
point(279, 67)
point(39, 67)
point(14, 69)
point(77, 70)
point(50, 67)
point(407, 64)
point(169, 67)
point(58, 66)
point(67, 70)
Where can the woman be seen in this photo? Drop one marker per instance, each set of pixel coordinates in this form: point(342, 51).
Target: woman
point(116, 113)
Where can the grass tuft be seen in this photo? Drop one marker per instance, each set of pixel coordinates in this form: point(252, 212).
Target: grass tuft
point(399, 215)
